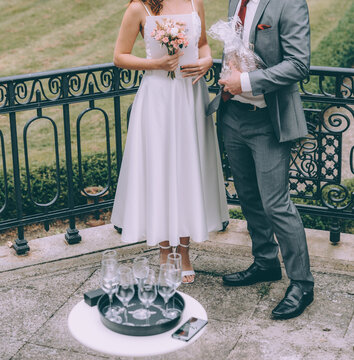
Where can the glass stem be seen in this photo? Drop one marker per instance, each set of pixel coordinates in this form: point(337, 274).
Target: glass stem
point(173, 299)
point(147, 315)
point(110, 296)
point(125, 313)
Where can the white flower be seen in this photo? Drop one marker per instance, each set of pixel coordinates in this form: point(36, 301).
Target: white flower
point(174, 31)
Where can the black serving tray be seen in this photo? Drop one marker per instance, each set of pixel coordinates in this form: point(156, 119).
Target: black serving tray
point(140, 327)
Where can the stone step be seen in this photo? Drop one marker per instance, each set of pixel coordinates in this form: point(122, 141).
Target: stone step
point(235, 240)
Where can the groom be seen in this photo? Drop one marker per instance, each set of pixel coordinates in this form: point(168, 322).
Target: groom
point(261, 113)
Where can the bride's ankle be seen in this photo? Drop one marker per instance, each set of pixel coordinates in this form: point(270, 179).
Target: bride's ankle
point(183, 249)
point(186, 262)
point(184, 243)
point(165, 249)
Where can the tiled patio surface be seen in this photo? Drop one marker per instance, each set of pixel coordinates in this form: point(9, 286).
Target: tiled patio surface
point(38, 291)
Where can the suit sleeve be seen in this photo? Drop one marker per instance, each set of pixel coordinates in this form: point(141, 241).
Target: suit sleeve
point(294, 35)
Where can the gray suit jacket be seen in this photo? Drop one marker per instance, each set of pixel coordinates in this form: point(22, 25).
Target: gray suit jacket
point(285, 49)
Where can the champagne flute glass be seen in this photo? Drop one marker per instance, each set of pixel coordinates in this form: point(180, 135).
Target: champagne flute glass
point(141, 268)
point(109, 254)
point(147, 292)
point(125, 290)
point(174, 276)
point(165, 288)
point(112, 254)
point(140, 271)
point(109, 279)
point(176, 261)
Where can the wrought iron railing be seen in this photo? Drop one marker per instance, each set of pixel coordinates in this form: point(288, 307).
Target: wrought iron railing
point(317, 166)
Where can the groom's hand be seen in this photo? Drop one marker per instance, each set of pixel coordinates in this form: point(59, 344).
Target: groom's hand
point(233, 83)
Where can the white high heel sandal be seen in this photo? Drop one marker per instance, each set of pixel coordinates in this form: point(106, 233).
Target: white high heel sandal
point(187, 272)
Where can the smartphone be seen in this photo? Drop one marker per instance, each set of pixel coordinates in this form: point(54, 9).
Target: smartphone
point(189, 329)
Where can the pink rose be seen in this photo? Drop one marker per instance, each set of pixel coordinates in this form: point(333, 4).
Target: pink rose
point(165, 40)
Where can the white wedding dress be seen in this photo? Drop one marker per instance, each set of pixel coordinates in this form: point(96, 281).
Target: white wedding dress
point(171, 183)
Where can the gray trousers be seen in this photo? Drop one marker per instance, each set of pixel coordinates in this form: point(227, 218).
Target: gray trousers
point(260, 166)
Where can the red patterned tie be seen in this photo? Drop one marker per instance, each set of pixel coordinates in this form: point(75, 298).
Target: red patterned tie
point(242, 12)
point(242, 15)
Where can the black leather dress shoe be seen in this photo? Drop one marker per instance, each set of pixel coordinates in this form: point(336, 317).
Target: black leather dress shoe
point(294, 303)
point(252, 275)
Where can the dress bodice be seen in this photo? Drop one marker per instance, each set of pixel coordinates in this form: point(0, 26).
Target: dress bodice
point(154, 50)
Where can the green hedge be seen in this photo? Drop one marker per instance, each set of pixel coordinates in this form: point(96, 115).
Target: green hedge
point(44, 185)
point(337, 48)
point(309, 221)
point(95, 173)
point(314, 222)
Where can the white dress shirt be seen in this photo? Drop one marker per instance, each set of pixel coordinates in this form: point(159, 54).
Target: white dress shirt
point(246, 96)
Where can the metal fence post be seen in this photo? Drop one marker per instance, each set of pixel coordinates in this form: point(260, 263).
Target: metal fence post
point(72, 235)
point(21, 246)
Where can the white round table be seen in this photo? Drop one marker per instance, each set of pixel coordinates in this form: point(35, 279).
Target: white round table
point(85, 325)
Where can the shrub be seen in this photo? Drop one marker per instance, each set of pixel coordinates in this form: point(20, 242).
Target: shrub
point(44, 184)
point(311, 221)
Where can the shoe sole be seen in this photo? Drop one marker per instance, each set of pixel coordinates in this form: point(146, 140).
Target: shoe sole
point(292, 315)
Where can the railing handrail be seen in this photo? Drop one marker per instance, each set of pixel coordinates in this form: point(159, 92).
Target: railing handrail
point(314, 70)
point(44, 74)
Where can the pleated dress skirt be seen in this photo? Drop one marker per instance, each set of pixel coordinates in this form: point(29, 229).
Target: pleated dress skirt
point(171, 183)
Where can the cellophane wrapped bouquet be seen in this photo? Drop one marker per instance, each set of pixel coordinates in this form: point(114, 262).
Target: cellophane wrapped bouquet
point(236, 53)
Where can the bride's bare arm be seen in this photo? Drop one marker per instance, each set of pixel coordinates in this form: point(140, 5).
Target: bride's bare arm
point(129, 30)
point(205, 61)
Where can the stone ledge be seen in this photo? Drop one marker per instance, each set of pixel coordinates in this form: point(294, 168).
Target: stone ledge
point(234, 240)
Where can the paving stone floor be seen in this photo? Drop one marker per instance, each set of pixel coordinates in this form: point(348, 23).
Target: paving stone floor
point(36, 301)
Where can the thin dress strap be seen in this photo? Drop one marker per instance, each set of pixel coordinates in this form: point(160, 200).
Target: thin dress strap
point(193, 6)
point(147, 10)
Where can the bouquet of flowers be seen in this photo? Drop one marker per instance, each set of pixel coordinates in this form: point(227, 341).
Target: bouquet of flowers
point(236, 54)
point(171, 34)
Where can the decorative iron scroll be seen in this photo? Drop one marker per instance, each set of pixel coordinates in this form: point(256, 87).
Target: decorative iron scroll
point(100, 81)
point(4, 100)
point(335, 83)
point(129, 80)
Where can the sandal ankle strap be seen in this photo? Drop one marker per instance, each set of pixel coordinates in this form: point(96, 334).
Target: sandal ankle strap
point(184, 246)
point(165, 247)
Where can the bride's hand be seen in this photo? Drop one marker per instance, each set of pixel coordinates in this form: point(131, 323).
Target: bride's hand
point(170, 62)
point(198, 69)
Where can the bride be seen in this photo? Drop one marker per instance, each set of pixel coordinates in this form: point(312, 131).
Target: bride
point(171, 187)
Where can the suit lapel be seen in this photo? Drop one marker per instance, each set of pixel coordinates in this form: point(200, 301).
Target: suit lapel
point(232, 7)
point(260, 10)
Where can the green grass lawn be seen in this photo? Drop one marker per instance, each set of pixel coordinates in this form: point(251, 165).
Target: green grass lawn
point(37, 35)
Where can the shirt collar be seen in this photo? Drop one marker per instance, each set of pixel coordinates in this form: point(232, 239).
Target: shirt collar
point(255, 1)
